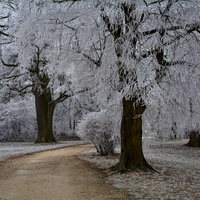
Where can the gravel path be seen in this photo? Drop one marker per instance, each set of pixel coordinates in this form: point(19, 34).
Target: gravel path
point(54, 175)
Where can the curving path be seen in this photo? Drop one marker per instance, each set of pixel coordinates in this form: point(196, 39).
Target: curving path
point(54, 175)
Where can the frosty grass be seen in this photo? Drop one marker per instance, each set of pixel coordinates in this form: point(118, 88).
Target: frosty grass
point(178, 177)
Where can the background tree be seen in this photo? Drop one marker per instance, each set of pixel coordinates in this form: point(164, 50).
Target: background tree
point(192, 127)
point(40, 62)
point(18, 121)
point(5, 38)
point(4, 19)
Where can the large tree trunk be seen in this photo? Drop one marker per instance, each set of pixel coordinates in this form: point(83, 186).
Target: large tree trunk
point(131, 138)
point(194, 139)
point(44, 112)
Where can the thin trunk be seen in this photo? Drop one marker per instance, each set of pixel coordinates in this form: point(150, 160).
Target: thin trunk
point(131, 138)
point(44, 112)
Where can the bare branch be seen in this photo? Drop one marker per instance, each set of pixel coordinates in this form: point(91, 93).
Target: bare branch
point(9, 65)
point(96, 62)
point(64, 1)
point(15, 76)
point(4, 17)
point(154, 2)
point(62, 97)
point(3, 33)
point(20, 90)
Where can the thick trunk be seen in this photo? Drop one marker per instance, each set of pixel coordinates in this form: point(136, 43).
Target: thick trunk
point(44, 112)
point(131, 138)
point(194, 139)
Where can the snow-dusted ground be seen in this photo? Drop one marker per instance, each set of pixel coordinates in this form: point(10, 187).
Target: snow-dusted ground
point(14, 149)
point(179, 177)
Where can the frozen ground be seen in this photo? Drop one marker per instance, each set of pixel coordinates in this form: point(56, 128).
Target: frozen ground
point(179, 167)
point(179, 177)
point(13, 149)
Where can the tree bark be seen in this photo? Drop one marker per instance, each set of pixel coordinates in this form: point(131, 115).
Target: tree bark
point(132, 157)
point(194, 139)
point(44, 112)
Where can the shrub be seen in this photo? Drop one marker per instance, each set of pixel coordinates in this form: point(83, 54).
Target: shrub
point(97, 128)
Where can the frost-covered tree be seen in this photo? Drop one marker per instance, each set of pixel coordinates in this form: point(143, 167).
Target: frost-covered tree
point(3, 27)
point(5, 37)
point(152, 52)
point(41, 65)
point(4, 18)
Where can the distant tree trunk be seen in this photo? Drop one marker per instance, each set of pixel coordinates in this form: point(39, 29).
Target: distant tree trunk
point(131, 138)
point(194, 139)
point(44, 111)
